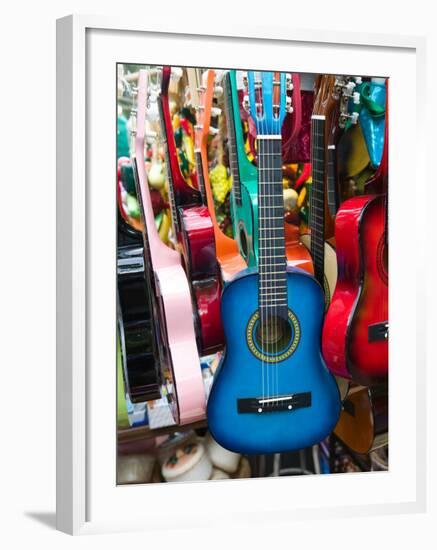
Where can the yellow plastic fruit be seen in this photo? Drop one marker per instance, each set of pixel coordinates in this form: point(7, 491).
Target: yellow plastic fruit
point(301, 197)
point(220, 182)
point(165, 226)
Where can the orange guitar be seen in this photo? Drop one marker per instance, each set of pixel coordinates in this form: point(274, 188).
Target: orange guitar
point(202, 93)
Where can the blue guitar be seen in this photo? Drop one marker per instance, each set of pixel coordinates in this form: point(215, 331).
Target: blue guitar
point(272, 391)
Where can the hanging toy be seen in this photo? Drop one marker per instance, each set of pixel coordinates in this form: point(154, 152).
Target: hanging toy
point(290, 199)
point(372, 116)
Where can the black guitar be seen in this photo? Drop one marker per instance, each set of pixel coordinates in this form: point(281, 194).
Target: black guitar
point(137, 336)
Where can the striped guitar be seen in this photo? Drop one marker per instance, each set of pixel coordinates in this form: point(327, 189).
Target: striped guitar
point(244, 195)
point(171, 299)
point(194, 232)
point(271, 391)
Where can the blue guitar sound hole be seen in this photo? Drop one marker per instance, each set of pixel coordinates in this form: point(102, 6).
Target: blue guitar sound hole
point(275, 339)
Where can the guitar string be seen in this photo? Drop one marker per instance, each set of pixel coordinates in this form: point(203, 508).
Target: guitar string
point(281, 99)
point(267, 225)
point(273, 194)
point(281, 239)
point(251, 76)
point(270, 164)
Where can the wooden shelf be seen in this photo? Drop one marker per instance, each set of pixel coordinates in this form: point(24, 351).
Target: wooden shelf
point(144, 432)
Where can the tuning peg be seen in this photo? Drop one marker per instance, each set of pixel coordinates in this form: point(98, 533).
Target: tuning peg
point(354, 117)
point(218, 91)
point(213, 131)
point(246, 104)
point(358, 80)
point(176, 73)
point(289, 82)
point(134, 111)
point(216, 111)
point(219, 74)
point(356, 98)
point(350, 86)
point(288, 105)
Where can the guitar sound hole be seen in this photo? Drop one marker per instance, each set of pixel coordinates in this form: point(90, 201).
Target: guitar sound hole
point(382, 259)
point(273, 335)
point(243, 242)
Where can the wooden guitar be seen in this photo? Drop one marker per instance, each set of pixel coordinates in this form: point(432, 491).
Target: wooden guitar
point(330, 113)
point(363, 423)
point(244, 195)
point(202, 90)
point(194, 232)
point(171, 297)
point(271, 391)
point(355, 333)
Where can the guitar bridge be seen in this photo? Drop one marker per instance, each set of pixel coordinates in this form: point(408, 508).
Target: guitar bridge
point(378, 332)
point(277, 403)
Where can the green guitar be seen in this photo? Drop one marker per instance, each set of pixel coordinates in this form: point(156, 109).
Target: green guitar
point(244, 193)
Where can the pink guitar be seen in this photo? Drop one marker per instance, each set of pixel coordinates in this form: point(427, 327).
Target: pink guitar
point(171, 298)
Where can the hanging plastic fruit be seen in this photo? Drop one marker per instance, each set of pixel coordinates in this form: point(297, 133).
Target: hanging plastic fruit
point(133, 209)
point(220, 182)
point(290, 199)
point(156, 175)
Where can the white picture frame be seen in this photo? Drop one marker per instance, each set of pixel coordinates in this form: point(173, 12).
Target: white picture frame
point(86, 493)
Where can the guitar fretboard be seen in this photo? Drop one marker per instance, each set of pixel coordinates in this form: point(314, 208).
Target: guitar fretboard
point(233, 159)
point(331, 181)
point(272, 262)
point(317, 206)
point(200, 177)
point(171, 194)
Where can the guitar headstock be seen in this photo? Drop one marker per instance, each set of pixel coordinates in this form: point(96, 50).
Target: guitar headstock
point(349, 98)
point(203, 90)
point(335, 100)
point(267, 100)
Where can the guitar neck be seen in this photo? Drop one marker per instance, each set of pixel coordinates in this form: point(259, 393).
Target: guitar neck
point(317, 206)
point(272, 262)
point(168, 163)
point(201, 176)
point(232, 140)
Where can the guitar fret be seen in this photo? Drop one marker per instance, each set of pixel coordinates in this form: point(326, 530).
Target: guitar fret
point(275, 291)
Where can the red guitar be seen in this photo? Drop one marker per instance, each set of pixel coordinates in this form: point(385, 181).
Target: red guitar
point(194, 232)
point(355, 333)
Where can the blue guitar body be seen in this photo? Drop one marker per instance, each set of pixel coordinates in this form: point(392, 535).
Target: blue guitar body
point(242, 374)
